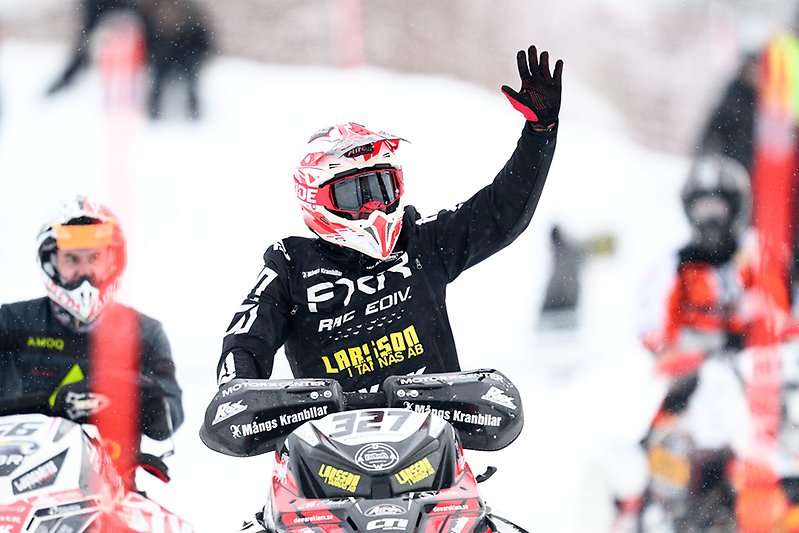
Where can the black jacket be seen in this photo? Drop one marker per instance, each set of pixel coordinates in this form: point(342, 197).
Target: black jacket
point(343, 315)
point(177, 33)
point(37, 351)
point(731, 127)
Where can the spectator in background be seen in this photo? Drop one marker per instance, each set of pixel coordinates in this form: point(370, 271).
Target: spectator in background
point(560, 307)
point(92, 12)
point(730, 128)
point(733, 125)
point(178, 43)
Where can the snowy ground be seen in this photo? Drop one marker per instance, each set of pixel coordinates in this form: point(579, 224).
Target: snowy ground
point(201, 201)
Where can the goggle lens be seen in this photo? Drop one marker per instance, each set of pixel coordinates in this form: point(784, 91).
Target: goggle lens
point(74, 237)
point(367, 191)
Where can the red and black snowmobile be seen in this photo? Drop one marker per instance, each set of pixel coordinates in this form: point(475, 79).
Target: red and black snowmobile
point(386, 461)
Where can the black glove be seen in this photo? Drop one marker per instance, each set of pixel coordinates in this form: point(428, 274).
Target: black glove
point(539, 98)
point(77, 403)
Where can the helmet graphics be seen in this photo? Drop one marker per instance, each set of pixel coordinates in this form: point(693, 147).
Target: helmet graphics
point(82, 225)
point(350, 186)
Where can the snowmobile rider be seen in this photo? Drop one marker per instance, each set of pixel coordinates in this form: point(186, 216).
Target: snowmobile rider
point(713, 300)
point(366, 299)
point(709, 308)
point(46, 344)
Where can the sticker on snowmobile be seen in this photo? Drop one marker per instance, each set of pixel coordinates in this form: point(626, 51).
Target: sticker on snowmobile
point(498, 397)
point(12, 453)
point(376, 456)
point(388, 524)
point(478, 419)
point(417, 472)
point(43, 475)
point(355, 427)
point(228, 410)
point(239, 431)
point(384, 509)
point(341, 479)
point(19, 429)
point(456, 506)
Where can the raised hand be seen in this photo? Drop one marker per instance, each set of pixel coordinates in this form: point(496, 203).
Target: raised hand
point(539, 97)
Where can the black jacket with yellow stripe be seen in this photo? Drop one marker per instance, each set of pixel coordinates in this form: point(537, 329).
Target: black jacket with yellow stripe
point(38, 351)
point(343, 315)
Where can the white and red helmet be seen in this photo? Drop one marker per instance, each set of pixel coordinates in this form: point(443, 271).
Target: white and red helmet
point(82, 224)
point(350, 188)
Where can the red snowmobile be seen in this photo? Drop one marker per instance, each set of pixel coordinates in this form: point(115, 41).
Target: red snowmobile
point(386, 461)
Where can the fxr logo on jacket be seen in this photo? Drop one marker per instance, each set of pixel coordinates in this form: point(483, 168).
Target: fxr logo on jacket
point(326, 291)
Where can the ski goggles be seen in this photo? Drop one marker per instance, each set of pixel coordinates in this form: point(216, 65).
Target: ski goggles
point(74, 237)
point(358, 195)
point(709, 207)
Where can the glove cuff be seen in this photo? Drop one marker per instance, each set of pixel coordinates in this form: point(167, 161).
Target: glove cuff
point(540, 128)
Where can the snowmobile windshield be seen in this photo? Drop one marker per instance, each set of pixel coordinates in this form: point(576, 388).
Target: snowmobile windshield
point(360, 194)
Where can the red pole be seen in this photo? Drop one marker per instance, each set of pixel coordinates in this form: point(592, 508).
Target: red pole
point(115, 371)
point(348, 33)
point(116, 343)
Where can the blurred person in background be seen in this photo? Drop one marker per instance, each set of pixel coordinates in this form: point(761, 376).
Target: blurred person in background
point(366, 299)
point(178, 45)
point(731, 125)
point(752, 121)
point(560, 307)
point(92, 13)
point(709, 307)
point(49, 346)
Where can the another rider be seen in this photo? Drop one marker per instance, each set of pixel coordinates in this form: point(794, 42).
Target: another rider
point(366, 299)
point(49, 345)
point(711, 303)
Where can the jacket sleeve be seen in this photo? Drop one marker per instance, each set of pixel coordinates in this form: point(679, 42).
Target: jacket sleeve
point(495, 216)
point(260, 326)
point(161, 395)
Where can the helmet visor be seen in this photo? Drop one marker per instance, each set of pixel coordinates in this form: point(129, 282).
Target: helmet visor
point(708, 207)
point(360, 194)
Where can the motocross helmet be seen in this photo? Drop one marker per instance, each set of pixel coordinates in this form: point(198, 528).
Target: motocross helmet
point(81, 224)
point(716, 200)
point(350, 186)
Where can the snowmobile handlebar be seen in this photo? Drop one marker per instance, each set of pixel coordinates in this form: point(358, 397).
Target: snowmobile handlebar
point(364, 400)
point(250, 417)
point(39, 403)
point(675, 363)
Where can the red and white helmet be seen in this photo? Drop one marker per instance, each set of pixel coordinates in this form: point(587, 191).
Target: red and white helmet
point(350, 188)
point(82, 224)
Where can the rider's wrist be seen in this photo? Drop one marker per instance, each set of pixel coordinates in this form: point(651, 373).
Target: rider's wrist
point(541, 128)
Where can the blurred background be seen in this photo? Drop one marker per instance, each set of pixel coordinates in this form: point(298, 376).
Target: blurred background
point(189, 125)
point(660, 62)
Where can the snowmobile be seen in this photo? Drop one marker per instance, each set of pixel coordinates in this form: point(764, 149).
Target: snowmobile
point(55, 476)
point(386, 461)
point(699, 457)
